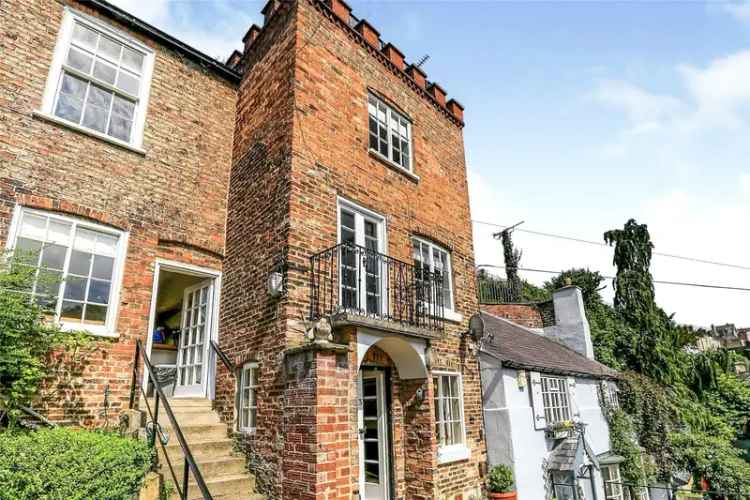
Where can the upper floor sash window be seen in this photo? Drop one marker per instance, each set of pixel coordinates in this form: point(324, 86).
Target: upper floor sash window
point(390, 133)
point(99, 80)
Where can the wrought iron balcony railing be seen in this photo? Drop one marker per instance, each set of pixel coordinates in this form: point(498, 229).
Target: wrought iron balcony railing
point(358, 281)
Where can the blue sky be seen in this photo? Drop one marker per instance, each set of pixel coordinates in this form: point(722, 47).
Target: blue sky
point(579, 116)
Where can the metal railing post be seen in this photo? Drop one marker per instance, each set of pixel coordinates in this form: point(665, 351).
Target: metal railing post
point(185, 479)
point(134, 380)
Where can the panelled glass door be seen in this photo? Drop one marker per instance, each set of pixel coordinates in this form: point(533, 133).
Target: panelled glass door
point(194, 339)
point(373, 437)
point(361, 265)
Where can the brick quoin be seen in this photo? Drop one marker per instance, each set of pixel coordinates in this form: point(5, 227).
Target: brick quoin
point(242, 176)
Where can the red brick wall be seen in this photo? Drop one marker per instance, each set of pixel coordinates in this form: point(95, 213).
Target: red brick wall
point(330, 158)
point(524, 314)
point(172, 200)
point(253, 324)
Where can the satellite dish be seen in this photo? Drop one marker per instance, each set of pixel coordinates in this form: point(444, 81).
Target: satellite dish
point(476, 326)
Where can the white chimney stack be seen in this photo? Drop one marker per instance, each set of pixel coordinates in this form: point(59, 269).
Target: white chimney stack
point(571, 327)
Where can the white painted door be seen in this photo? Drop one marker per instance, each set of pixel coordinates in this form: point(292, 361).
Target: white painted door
point(192, 356)
point(373, 437)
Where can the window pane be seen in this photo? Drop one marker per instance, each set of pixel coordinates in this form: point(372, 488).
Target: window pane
point(69, 108)
point(59, 232)
point(80, 263)
point(104, 71)
point(132, 60)
point(73, 86)
point(128, 82)
point(71, 311)
point(53, 256)
point(119, 128)
point(84, 36)
point(103, 267)
point(79, 60)
point(99, 291)
point(97, 109)
point(34, 226)
point(95, 315)
point(109, 49)
point(85, 240)
point(27, 251)
point(75, 288)
point(123, 107)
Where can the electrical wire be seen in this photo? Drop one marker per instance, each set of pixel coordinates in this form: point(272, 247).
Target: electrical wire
point(660, 282)
point(600, 244)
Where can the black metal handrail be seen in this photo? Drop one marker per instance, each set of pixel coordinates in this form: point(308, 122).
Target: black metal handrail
point(353, 279)
point(498, 292)
point(223, 357)
point(190, 465)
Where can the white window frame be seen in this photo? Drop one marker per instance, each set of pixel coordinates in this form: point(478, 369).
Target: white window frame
point(613, 471)
point(611, 395)
point(54, 79)
point(391, 115)
point(449, 312)
point(456, 451)
point(361, 215)
point(246, 369)
point(108, 329)
point(557, 403)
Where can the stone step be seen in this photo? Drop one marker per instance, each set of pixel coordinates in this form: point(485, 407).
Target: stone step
point(214, 468)
point(197, 432)
point(191, 418)
point(234, 487)
point(200, 449)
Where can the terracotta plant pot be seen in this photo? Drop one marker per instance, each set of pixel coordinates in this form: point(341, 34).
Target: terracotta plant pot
point(504, 496)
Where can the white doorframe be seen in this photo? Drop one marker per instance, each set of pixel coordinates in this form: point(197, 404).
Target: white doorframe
point(384, 436)
point(182, 268)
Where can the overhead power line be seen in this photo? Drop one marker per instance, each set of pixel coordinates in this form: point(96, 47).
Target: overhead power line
point(660, 282)
point(600, 244)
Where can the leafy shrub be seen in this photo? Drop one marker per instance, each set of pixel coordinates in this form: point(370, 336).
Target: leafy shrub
point(500, 479)
point(71, 464)
point(27, 337)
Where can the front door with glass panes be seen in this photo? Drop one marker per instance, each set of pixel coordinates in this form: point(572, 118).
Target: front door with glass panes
point(362, 266)
point(373, 436)
point(192, 355)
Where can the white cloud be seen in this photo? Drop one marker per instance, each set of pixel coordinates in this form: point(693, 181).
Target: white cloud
point(643, 109)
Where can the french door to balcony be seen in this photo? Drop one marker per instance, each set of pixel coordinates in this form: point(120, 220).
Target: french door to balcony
point(362, 269)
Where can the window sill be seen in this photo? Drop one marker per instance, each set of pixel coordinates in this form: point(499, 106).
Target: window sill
point(454, 453)
point(452, 316)
point(91, 133)
point(393, 165)
point(88, 331)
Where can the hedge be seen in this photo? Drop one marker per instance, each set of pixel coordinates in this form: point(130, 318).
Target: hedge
point(71, 464)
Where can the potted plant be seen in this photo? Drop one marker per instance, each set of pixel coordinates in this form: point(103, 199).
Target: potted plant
point(561, 430)
point(500, 483)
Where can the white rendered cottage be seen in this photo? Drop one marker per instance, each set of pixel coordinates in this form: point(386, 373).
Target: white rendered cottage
point(543, 398)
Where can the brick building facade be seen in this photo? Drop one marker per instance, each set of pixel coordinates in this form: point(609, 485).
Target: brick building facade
point(308, 201)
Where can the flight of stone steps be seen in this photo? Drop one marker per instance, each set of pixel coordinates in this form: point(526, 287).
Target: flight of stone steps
point(222, 468)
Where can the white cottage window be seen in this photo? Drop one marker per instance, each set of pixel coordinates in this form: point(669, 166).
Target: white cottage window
point(449, 417)
point(556, 399)
point(99, 80)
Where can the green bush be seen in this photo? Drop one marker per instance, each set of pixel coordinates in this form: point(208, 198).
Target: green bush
point(500, 479)
point(71, 464)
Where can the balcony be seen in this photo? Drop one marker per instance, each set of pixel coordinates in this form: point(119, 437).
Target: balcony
point(355, 285)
